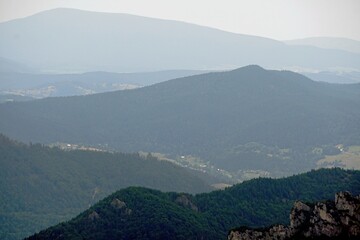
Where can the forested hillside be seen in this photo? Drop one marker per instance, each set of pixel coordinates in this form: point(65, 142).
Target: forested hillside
point(41, 186)
point(248, 118)
point(140, 213)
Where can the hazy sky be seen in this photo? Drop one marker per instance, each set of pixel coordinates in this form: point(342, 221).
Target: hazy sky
point(278, 19)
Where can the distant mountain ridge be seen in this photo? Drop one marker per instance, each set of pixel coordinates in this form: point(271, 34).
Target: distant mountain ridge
point(56, 85)
point(335, 77)
point(248, 118)
point(345, 44)
point(70, 40)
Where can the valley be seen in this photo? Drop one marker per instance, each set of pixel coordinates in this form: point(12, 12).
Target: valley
point(347, 158)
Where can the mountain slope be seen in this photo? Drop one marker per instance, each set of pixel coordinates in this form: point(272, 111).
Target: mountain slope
point(249, 118)
point(69, 40)
point(41, 186)
point(138, 213)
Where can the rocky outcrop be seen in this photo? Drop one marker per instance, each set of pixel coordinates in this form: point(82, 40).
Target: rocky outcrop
point(118, 204)
point(184, 200)
point(323, 220)
point(278, 232)
point(93, 216)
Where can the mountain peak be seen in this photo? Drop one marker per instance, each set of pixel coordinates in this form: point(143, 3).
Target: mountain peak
point(252, 67)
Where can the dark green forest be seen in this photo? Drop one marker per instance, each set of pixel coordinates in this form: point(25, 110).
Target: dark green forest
point(41, 186)
point(141, 213)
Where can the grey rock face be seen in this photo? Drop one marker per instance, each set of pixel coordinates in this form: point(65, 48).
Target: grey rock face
point(278, 232)
point(118, 204)
point(299, 215)
point(184, 201)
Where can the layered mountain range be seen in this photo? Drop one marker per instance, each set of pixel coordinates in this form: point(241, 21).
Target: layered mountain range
point(87, 87)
